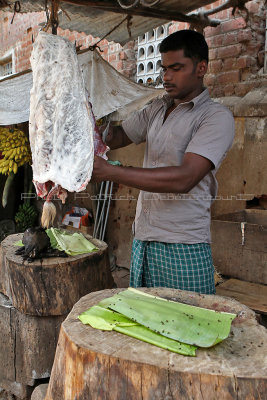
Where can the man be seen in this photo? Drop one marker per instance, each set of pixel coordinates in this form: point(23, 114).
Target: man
point(187, 136)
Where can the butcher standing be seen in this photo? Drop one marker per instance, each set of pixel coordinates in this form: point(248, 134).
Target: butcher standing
point(187, 136)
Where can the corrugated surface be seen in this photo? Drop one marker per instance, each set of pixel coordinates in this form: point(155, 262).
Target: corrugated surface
point(97, 22)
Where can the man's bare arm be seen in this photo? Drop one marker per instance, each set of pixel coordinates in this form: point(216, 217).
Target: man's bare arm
point(117, 138)
point(158, 180)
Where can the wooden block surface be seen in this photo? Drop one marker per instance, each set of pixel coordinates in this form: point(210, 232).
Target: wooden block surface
point(95, 364)
point(51, 286)
point(252, 295)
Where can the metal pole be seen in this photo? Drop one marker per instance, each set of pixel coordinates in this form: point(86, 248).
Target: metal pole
point(107, 212)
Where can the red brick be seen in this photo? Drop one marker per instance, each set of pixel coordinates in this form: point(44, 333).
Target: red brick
point(229, 64)
point(245, 62)
point(244, 35)
point(229, 51)
point(212, 54)
point(71, 37)
point(112, 57)
point(252, 48)
point(209, 80)
point(217, 40)
point(229, 90)
point(242, 88)
point(229, 38)
point(119, 66)
point(215, 66)
point(208, 6)
point(209, 31)
point(123, 55)
point(245, 74)
point(26, 44)
point(216, 91)
point(253, 7)
point(236, 23)
point(221, 15)
point(228, 77)
point(209, 42)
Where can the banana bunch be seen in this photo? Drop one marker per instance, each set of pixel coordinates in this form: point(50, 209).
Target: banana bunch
point(25, 217)
point(15, 149)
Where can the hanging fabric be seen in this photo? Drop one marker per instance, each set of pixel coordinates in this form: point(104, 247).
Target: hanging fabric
point(109, 91)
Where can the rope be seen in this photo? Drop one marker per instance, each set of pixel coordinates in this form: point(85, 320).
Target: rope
point(17, 9)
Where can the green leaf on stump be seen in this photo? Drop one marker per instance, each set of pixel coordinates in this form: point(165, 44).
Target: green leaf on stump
point(104, 319)
point(182, 322)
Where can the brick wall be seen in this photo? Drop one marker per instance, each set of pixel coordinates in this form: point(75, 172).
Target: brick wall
point(236, 47)
point(236, 50)
point(19, 36)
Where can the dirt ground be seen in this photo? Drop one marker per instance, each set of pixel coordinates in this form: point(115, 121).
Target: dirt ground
point(121, 277)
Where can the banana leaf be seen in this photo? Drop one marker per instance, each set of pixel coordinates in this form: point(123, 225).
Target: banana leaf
point(188, 324)
point(72, 243)
point(104, 319)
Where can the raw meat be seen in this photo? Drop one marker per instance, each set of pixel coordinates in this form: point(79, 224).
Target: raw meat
point(62, 127)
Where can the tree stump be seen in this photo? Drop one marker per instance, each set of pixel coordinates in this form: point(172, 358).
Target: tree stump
point(101, 365)
point(51, 286)
point(27, 348)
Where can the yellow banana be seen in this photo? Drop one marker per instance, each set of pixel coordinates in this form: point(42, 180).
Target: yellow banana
point(15, 168)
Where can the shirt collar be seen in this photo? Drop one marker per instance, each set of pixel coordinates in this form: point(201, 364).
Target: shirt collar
point(202, 97)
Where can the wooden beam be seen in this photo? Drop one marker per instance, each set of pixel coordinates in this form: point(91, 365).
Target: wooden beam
point(15, 75)
point(171, 15)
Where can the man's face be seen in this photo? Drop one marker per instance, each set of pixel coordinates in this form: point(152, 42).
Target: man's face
point(181, 76)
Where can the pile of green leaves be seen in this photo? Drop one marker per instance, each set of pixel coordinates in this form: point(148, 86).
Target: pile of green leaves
point(173, 326)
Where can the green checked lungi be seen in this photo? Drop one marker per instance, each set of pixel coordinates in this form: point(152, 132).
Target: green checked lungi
point(172, 265)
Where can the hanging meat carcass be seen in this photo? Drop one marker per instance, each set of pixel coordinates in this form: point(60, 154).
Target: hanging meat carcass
point(62, 129)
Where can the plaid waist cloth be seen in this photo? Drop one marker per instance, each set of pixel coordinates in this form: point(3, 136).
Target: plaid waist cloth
point(172, 265)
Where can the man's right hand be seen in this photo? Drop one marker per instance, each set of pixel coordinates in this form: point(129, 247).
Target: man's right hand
point(114, 136)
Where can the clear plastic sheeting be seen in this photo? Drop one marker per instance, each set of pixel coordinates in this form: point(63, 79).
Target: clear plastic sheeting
point(109, 92)
point(15, 99)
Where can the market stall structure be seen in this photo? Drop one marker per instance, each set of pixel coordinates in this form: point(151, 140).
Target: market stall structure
point(100, 18)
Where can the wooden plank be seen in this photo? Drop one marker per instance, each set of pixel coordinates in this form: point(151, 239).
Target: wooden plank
point(247, 261)
point(252, 295)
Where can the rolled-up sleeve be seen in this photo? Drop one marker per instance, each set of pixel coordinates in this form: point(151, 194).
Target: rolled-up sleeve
point(214, 136)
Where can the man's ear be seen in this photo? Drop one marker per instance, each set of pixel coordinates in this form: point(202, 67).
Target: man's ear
point(202, 68)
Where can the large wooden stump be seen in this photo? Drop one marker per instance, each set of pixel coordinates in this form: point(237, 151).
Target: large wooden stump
point(27, 348)
point(98, 365)
point(51, 286)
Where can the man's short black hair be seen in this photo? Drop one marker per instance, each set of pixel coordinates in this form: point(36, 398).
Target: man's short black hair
point(192, 43)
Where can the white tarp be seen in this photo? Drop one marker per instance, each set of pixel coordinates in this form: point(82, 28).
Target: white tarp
point(109, 91)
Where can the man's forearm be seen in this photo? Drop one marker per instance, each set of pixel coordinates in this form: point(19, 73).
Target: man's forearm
point(174, 179)
point(157, 180)
point(117, 138)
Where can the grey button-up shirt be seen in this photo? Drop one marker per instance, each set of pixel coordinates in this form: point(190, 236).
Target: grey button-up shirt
point(200, 126)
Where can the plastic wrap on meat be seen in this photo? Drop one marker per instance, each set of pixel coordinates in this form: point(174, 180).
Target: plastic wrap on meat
point(62, 126)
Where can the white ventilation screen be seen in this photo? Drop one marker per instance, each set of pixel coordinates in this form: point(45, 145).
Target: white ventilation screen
point(148, 55)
